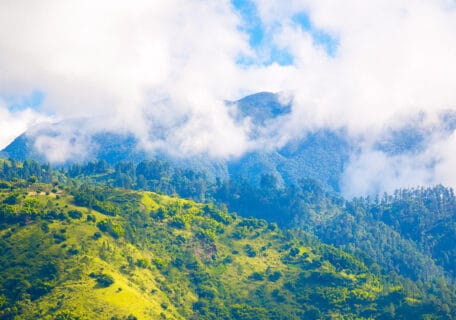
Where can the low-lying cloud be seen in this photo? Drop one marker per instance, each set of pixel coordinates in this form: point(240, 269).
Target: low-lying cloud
point(13, 123)
point(163, 71)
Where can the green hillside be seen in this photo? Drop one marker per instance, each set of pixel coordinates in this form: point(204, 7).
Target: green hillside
point(83, 252)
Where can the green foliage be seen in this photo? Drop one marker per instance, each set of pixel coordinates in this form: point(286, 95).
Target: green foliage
point(166, 257)
point(75, 214)
point(250, 251)
point(257, 276)
point(143, 263)
point(246, 312)
point(27, 170)
point(4, 184)
point(275, 276)
point(103, 280)
point(114, 229)
point(177, 222)
point(96, 235)
point(66, 315)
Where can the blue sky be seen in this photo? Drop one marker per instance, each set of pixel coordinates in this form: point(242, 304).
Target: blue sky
point(19, 103)
point(261, 36)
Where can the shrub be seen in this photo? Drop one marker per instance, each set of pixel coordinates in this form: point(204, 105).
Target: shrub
point(12, 199)
point(115, 230)
point(256, 276)
point(142, 263)
point(250, 251)
point(4, 184)
point(45, 227)
point(66, 315)
point(75, 214)
point(103, 280)
point(276, 275)
point(177, 222)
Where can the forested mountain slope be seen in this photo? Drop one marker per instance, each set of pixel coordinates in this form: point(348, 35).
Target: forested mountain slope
point(411, 232)
point(75, 251)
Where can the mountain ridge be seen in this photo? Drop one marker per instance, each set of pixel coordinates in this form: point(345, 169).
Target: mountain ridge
point(322, 154)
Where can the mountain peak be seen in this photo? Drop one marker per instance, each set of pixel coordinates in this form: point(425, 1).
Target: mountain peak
point(262, 106)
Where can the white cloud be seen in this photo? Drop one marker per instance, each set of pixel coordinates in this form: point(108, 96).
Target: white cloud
point(163, 69)
point(109, 58)
point(12, 124)
point(373, 172)
point(394, 59)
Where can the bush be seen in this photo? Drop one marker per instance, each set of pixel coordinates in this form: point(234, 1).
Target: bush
point(103, 280)
point(275, 276)
point(244, 311)
point(159, 263)
point(177, 222)
point(250, 251)
point(66, 315)
point(228, 259)
point(75, 214)
point(143, 263)
point(256, 276)
point(12, 199)
point(4, 184)
point(58, 238)
point(45, 227)
point(115, 230)
point(38, 289)
point(73, 251)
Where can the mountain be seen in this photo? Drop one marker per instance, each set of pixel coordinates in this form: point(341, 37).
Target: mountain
point(84, 252)
point(261, 107)
point(111, 147)
point(411, 232)
point(322, 154)
point(381, 231)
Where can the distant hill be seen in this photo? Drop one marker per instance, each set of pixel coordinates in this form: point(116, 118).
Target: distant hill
point(111, 147)
point(321, 155)
point(261, 107)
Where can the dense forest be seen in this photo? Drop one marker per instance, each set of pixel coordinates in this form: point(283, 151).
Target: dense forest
point(108, 235)
point(411, 232)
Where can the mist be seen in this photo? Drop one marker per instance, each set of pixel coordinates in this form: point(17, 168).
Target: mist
point(163, 71)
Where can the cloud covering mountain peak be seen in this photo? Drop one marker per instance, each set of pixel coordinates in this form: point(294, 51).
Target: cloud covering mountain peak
point(163, 71)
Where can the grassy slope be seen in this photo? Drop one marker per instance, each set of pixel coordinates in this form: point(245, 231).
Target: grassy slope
point(175, 259)
point(29, 247)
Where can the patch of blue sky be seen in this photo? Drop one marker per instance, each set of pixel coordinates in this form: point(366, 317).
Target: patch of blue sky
point(273, 55)
point(32, 101)
point(280, 56)
point(252, 24)
point(319, 36)
point(259, 38)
